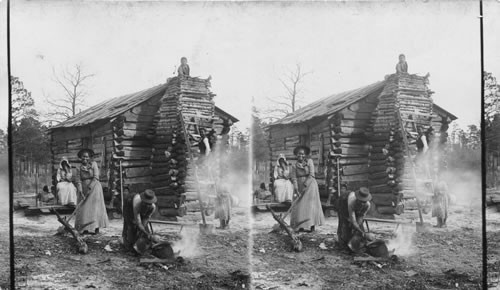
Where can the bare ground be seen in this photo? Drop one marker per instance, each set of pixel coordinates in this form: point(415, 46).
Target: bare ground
point(4, 250)
point(493, 247)
point(43, 260)
point(447, 258)
point(4, 226)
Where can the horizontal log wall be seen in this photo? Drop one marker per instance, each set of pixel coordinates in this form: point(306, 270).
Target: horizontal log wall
point(66, 142)
point(350, 135)
point(132, 142)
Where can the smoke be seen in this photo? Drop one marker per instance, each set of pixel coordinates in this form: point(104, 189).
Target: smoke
point(464, 187)
point(402, 244)
point(462, 176)
point(234, 179)
point(4, 187)
point(187, 246)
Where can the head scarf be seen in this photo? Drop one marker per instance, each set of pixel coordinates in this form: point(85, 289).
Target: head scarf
point(61, 163)
point(281, 156)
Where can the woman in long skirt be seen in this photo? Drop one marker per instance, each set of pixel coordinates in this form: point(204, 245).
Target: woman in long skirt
point(66, 190)
point(283, 187)
point(307, 212)
point(92, 212)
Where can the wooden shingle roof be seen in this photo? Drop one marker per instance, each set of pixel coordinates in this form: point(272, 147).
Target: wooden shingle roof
point(329, 105)
point(117, 106)
point(335, 103)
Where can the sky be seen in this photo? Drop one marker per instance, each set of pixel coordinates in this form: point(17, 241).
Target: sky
point(248, 47)
point(491, 23)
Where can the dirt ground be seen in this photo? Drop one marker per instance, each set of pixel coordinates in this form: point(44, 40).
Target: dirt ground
point(442, 258)
point(493, 247)
point(46, 261)
point(4, 248)
point(4, 225)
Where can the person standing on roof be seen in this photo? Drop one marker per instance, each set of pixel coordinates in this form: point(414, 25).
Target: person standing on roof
point(402, 66)
point(183, 69)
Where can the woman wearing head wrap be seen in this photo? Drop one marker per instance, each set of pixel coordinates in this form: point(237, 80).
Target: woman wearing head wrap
point(307, 212)
point(92, 213)
point(283, 187)
point(66, 190)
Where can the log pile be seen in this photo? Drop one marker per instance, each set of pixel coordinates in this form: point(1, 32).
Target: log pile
point(187, 102)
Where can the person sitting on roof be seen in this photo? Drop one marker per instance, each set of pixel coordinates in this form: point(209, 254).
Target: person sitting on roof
point(402, 66)
point(183, 69)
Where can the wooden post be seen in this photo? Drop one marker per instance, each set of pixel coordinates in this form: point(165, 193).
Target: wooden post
point(121, 184)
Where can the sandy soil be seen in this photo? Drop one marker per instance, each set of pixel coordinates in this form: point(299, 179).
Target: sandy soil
point(46, 261)
point(493, 247)
point(447, 258)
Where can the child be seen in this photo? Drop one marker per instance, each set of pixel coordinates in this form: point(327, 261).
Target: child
point(223, 207)
point(402, 66)
point(45, 195)
point(184, 68)
point(440, 204)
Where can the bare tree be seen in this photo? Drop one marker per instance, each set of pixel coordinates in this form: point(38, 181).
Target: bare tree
point(73, 83)
point(288, 103)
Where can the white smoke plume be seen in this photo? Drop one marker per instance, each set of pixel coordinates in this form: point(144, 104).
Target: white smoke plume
point(402, 244)
point(187, 246)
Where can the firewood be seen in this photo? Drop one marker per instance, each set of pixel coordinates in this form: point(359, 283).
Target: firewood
point(82, 246)
point(296, 243)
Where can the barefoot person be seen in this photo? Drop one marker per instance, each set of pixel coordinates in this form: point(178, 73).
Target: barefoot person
point(92, 213)
point(137, 211)
point(223, 207)
point(283, 187)
point(440, 202)
point(352, 211)
point(307, 212)
point(66, 190)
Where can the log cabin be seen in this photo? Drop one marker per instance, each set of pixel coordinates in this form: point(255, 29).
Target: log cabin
point(357, 138)
point(143, 134)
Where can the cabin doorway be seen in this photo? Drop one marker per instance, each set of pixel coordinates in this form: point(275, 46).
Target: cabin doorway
point(305, 140)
